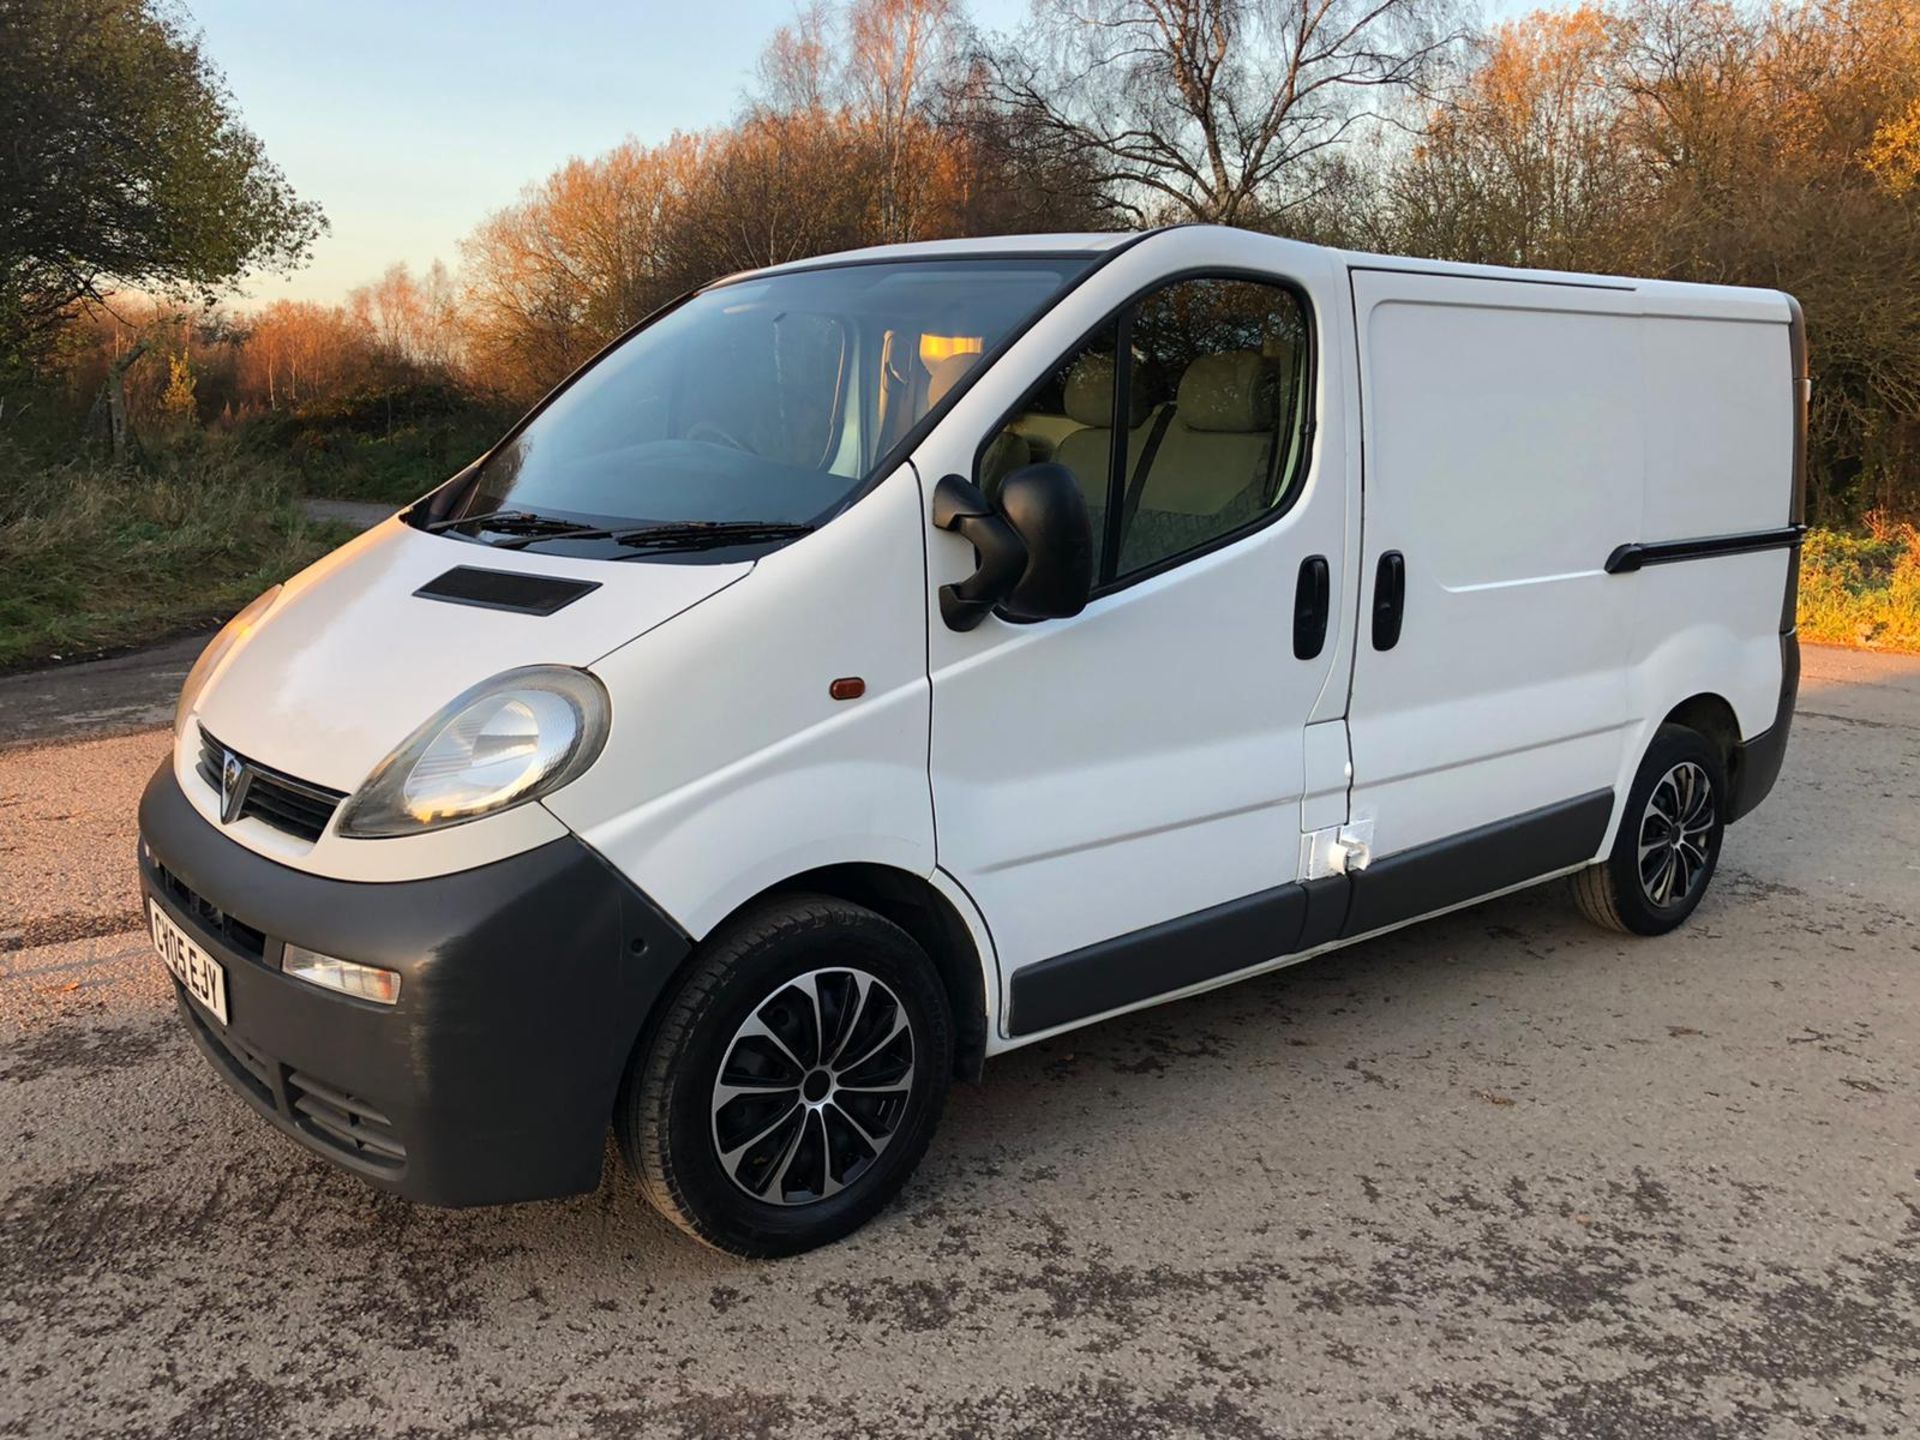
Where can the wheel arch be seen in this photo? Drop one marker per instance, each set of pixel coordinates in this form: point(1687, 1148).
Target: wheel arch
point(913, 903)
point(917, 907)
point(1712, 716)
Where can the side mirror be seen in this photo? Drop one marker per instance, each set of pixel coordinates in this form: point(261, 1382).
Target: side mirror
point(1035, 546)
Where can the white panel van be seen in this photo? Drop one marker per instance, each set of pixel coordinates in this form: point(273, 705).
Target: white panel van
point(871, 665)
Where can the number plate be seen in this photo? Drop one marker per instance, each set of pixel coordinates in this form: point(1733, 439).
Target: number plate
point(205, 979)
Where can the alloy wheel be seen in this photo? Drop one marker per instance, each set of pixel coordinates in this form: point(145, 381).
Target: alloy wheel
point(1676, 835)
point(813, 1086)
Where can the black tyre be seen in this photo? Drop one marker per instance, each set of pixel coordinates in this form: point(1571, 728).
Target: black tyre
point(793, 1081)
point(1669, 840)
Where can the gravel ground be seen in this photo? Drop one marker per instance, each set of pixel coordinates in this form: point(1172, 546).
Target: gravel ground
point(1497, 1176)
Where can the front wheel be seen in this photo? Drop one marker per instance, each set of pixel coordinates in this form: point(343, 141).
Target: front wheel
point(794, 1080)
point(1669, 841)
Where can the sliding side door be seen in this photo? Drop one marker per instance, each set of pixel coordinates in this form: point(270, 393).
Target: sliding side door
point(1502, 462)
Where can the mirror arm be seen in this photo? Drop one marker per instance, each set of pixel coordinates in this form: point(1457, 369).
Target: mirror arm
point(959, 506)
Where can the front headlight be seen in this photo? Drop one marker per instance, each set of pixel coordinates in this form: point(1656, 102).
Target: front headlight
point(508, 740)
point(231, 634)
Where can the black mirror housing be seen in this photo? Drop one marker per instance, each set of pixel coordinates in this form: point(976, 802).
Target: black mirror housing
point(1044, 505)
point(1035, 546)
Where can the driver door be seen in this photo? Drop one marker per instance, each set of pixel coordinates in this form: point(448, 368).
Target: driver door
point(1121, 792)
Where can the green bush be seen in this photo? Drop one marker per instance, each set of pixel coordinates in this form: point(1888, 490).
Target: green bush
point(95, 558)
point(390, 443)
point(1862, 589)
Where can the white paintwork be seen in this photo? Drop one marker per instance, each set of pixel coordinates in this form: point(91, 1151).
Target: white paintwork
point(1087, 243)
point(349, 661)
point(1144, 759)
point(1517, 432)
point(729, 767)
point(1504, 456)
point(1065, 782)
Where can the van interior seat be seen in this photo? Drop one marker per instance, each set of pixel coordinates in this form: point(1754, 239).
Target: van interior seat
point(1212, 469)
point(1007, 451)
point(1043, 432)
point(1088, 451)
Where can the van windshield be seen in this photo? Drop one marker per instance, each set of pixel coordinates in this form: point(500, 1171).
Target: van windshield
point(763, 403)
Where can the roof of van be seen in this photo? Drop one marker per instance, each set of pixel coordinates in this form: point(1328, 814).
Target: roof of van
point(1088, 243)
point(1673, 292)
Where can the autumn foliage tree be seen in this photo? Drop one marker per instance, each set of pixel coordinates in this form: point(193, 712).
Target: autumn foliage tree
point(1763, 142)
point(1706, 141)
point(869, 124)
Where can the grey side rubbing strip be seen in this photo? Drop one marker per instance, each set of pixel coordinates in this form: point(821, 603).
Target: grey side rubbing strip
point(1291, 919)
point(1478, 862)
point(1159, 959)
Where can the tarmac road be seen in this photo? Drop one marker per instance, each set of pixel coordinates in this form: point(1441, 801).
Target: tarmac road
point(1498, 1176)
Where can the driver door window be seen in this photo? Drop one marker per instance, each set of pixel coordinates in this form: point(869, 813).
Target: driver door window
point(1210, 376)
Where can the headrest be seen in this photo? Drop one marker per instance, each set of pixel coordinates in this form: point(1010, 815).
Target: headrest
point(1234, 391)
point(946, 374)
point(1089, 395)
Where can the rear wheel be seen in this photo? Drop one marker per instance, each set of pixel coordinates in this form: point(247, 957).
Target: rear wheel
point(794, 1080)
point(1669, 841)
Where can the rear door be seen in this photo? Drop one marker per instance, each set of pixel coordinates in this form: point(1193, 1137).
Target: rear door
point(1502, 425)
point(1120, 792)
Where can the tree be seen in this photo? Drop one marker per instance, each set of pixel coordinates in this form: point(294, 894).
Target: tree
point(413, 322)
point(1530, 161)
point(296, 351)
point(1213, 110)
point(124, 163)
point(177, 400)
point(869, 74)
point(583, 255)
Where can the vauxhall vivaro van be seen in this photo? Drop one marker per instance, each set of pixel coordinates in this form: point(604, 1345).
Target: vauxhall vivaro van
point(873, 664)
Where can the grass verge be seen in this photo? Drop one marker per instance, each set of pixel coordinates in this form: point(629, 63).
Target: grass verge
point(95, 559)
point(1862, 590)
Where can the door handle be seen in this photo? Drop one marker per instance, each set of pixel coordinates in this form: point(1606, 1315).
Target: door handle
point(1311, 597)
point(1389, 599)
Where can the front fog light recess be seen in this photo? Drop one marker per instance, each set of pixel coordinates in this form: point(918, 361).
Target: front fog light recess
point(349, 977)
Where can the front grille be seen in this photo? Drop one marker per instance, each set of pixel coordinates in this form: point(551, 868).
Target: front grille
point(210, 917)
point(281, 801)
point(344, 1122)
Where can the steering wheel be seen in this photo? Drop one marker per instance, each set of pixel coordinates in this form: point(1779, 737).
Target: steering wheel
point(714, 433)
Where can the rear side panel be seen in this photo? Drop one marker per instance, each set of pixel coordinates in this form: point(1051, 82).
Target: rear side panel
point(1722, 401)
point(1592, 484)
point(1720, 439)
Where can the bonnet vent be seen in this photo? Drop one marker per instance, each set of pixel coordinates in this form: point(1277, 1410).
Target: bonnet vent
point(505, 590)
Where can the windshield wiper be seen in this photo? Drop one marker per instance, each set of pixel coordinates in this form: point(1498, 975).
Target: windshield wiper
point(708, 534)
point(529, 529)
point(507, 522)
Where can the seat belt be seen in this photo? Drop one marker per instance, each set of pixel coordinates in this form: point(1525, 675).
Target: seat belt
point(1137, 482)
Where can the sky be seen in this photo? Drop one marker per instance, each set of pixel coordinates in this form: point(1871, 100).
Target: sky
point(412, 120)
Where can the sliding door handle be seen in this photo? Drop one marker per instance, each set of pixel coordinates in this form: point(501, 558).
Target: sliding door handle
point(1311, 598)
point(1389, 599)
